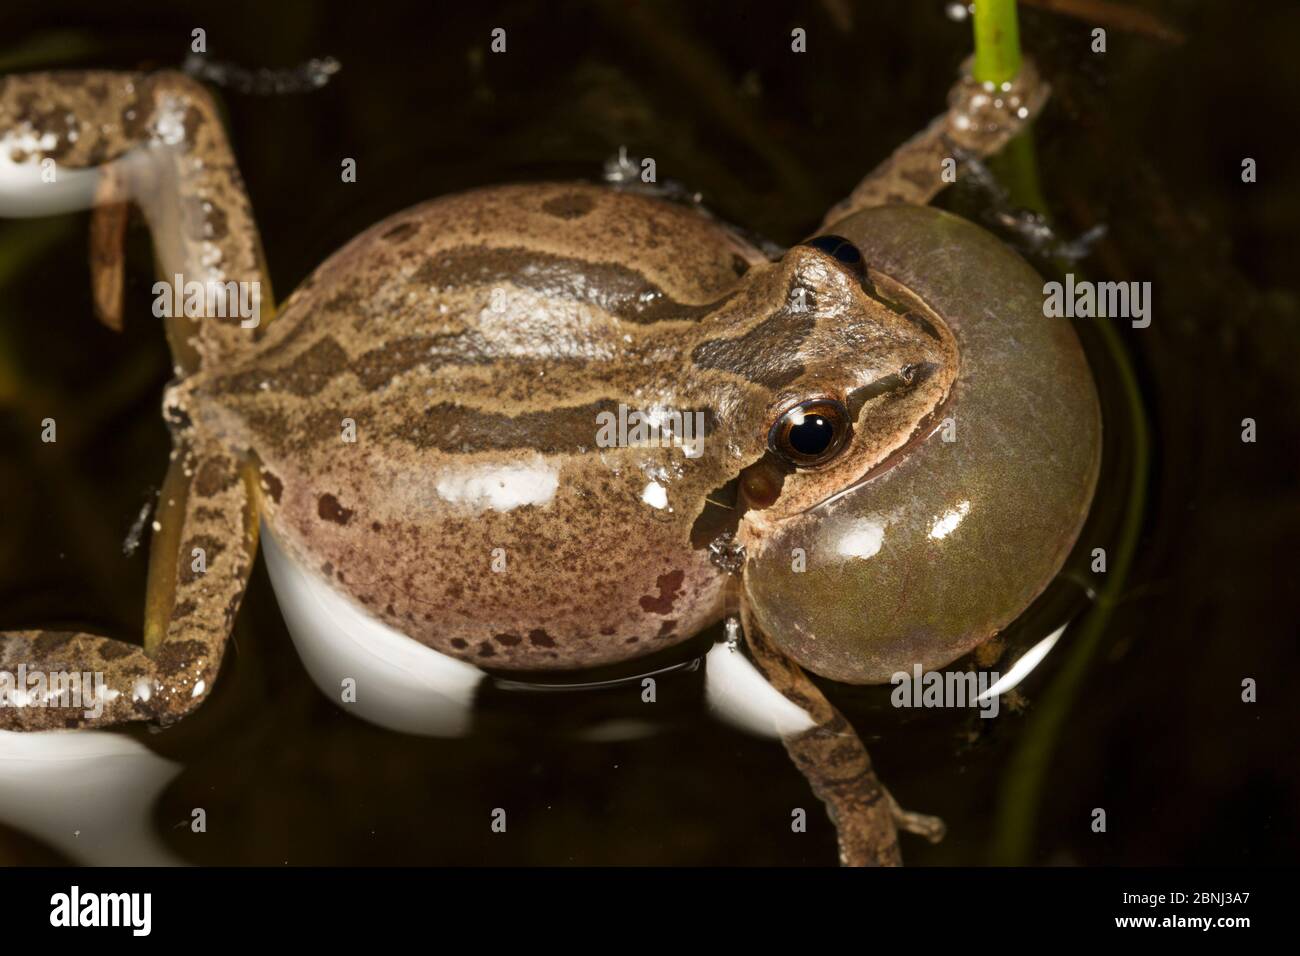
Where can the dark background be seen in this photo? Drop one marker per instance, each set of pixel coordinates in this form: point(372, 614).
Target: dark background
point(1147, 139)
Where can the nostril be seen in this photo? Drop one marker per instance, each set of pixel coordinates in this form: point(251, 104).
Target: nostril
point(917, 372)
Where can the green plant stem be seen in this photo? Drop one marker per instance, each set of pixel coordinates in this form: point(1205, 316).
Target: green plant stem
point(997, 41)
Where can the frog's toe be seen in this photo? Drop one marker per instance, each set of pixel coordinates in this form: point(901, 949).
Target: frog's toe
point(932, 828)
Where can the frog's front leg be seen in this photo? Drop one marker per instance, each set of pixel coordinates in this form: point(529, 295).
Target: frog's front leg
point(837, 766)
point(200, 558)
point(979, 122)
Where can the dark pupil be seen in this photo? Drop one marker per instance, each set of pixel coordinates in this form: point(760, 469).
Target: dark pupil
point(812, 436)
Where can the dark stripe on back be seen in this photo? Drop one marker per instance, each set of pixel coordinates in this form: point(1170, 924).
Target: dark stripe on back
point(307, 373)
point(618, 290)
point(453, 428)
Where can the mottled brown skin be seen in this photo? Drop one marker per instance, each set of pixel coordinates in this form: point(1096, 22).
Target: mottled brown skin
point(484, 330)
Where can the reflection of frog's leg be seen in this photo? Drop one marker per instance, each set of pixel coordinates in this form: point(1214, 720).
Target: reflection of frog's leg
point(200, 559)
point(107, 247)
point(107, 823)
point(979, 122)
point(834, 761)
point(409, 687)
point(74, 140)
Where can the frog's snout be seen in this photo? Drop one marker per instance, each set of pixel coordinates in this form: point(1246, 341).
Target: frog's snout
point(925, 560)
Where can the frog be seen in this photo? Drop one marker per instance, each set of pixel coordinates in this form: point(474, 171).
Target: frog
point(557, 426)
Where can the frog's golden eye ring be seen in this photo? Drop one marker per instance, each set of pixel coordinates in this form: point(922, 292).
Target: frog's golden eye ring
point(811, 433)
point(839, 249)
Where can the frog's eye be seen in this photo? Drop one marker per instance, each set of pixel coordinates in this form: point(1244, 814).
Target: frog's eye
point(838, 248)
point(811, 433)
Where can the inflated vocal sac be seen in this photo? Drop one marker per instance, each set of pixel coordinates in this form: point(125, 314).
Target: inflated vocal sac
point(952, 537)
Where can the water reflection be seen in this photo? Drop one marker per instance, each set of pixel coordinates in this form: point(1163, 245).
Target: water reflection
point(90, 794)
point(362, 664)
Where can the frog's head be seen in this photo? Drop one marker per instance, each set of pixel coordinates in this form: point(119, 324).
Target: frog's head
point(930, 465)
point(846, 374)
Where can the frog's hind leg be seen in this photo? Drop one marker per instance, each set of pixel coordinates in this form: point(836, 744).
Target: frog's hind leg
point(78, 140)
point(102, 140)
point(978, 123)
point(837, 766)
point(200, 557)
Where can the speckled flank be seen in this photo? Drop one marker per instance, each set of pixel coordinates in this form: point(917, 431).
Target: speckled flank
point(481, 335)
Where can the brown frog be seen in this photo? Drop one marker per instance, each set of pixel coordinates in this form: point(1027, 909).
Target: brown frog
point(553, 426)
